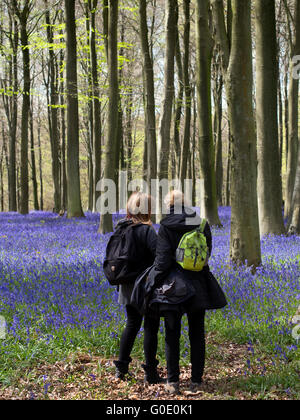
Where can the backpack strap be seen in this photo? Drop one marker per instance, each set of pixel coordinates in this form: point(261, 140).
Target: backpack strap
point(202, 225)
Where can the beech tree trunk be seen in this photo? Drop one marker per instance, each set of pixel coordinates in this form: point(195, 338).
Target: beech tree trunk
point(206, 146)
point(96, 103)
point(244, 238)
point(168, 94)
point(269, 185)
point(23, 16)
point(294, 225)
point(293, 117)
point(12, 184)
point(217, 126)
point(187, 92)
point(73, 176)
point(40, 158)
point(54, 135)
point(106, 224)
point(150, 120)
point(178, 105)
point(33, 164)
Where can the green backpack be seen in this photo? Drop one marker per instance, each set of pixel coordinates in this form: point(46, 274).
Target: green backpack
point(192, 251)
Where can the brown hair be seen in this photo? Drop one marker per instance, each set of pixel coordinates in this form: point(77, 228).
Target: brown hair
point(139, 208)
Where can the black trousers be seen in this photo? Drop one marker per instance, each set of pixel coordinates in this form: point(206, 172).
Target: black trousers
point(197, 344)
point(133, 326)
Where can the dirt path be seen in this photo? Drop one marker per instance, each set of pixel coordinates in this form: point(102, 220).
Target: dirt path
point(84, 377)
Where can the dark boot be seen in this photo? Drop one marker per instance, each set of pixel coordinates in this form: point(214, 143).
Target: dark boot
point(121, 369)
point(151, 375)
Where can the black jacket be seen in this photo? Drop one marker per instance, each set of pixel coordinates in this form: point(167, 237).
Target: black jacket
point(144, 242)
point(203, 290)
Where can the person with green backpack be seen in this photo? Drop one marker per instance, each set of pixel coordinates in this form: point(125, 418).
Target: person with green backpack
point(184, 284)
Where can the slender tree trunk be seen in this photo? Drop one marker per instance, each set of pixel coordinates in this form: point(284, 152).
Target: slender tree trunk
point(90, 122)
point(106, 224)
point(54, 135)
point(194, 147)
point(206, 146)
point(64, 193)
point(73, 176)
point(168, 94)
point(128, 135)
point(187, 93)
point(23, 18)
point(217, 125)
point(294, 225)
point(149, 94)
point(14, 118)
point(2, 174)
point(120, 135)
point(228, 169)
point(96, 104)
point(40, 158)
point(280, 122)
point(269, 185)
point(105, 18)
point(293, 117)
point(33, 164)
point(244, 238)
point(178, 104)
point(90, 177)
point(286, 117)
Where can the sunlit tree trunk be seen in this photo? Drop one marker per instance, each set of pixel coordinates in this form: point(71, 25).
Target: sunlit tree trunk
point(106, 224)
point(73, 176)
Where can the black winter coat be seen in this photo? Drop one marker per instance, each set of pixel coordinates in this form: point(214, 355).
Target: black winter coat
point(203, 290)
point(144, 242)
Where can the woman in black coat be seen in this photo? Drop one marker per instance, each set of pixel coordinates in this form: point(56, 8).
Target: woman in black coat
point(143, 240)
point(181, 291)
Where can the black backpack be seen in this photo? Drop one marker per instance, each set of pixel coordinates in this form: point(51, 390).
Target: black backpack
point(120, 262)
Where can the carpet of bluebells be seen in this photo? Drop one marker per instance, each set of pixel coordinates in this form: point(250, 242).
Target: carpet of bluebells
point(55, 299)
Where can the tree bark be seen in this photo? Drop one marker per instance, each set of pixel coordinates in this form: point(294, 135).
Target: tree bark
point(168, 94)
point(293, 117)
point(96, 104)
point(40, 158)
point(33, 164)
point(12, 185)
point(269, 185)
point(149, 94)
point(187, 93)
point(73, 176)
point(23, 16)
point(106, 224)
point(54, 135)
point(64, 192)
point(90, 107)
point(244, 238)
point(206, 146)
point(217, 126)
point(178, 104)
point(294, 225)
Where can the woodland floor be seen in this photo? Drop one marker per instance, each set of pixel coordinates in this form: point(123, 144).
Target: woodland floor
point(82, 376)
